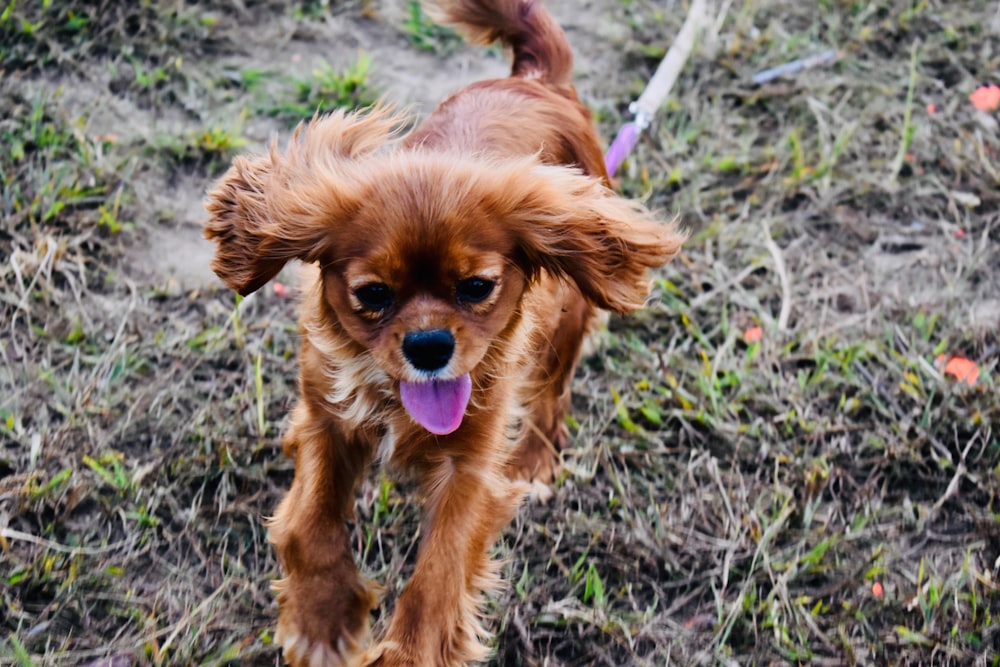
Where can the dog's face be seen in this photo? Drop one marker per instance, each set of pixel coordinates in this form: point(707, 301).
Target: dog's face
point(425, 257)
point(427, 286)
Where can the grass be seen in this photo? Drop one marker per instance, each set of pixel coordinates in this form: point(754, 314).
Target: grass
point(824, 493)
point(426, 35)
point(328, 89)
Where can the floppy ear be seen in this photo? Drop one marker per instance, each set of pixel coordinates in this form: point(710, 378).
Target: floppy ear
point(573, 226)
point(269, 209)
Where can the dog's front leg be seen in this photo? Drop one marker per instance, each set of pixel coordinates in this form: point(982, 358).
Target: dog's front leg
point(437, 621)
point(323, 601)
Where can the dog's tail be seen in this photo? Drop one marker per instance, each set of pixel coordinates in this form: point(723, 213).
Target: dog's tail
point(539, 44)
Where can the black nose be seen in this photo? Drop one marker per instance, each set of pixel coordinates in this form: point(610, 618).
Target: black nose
point(429, 350)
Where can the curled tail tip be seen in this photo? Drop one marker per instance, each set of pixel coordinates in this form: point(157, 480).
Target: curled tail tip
point(538, 43)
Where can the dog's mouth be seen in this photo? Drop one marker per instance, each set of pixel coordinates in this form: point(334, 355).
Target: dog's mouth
point(437, 405)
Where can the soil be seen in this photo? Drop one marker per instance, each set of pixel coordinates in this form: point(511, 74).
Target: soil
point(772, 440)
point(174, 251)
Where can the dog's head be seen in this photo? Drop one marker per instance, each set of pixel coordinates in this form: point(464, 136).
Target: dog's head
point(425, 256)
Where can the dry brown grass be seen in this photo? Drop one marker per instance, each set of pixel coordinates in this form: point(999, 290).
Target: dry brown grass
point(726, 502)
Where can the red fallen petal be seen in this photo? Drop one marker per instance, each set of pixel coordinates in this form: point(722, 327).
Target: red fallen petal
point(962, 369)
point(877, 589)
point(753, 334)
point(280, 290)
point(986, 98)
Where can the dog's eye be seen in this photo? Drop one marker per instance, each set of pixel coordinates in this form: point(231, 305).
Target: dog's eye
point(375, 296)
point(474, 290)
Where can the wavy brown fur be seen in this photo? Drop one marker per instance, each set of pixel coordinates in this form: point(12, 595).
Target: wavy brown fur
point(505, 183)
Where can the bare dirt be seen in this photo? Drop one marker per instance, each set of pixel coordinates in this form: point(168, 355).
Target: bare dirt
point(827, 494)
point(175, 250)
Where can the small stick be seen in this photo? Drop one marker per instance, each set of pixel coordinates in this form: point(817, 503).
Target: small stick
point(796, 66)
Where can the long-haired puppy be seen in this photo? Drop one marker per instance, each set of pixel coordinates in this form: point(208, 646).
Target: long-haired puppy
point(459, 267)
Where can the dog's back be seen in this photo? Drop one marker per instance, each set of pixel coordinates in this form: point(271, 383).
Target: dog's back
point(526, 113)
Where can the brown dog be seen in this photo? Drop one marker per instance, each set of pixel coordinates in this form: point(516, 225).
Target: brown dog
point(457, 276)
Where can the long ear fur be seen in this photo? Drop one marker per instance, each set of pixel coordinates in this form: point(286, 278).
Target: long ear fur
point(269, 209)
point(573, 226)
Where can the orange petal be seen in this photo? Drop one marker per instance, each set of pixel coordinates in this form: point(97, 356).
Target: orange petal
point(962, 369)
point(753, 334)
point(877, 589)
point(986, 98)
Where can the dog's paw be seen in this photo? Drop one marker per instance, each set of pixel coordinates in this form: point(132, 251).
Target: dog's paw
point(300, 651)
point(537, 465)
point(320, 626)
point(386, 654)
point(540, 493)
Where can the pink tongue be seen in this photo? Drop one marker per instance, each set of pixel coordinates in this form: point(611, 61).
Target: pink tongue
point(437, 405)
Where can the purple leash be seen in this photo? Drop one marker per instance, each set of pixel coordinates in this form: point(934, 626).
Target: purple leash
point(623, 144)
